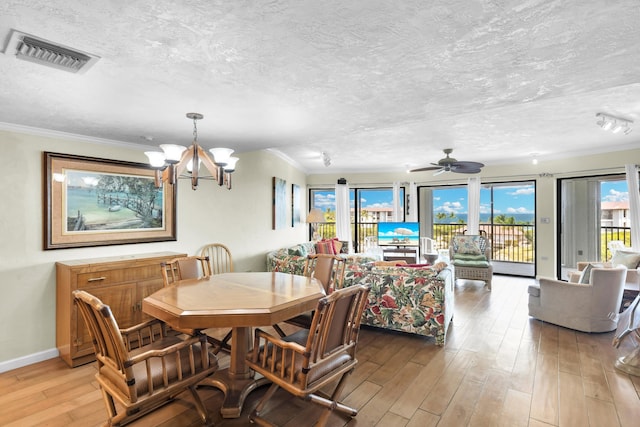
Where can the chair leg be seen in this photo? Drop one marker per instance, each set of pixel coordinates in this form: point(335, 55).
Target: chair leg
point(202, 411)
point(279, 330)
point(254, 417)
point(332, 403)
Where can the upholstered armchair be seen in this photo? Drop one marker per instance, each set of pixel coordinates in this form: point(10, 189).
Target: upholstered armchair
point(591, 305)
point(471, 258)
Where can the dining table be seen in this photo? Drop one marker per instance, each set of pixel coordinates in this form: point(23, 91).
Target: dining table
point(240, 301)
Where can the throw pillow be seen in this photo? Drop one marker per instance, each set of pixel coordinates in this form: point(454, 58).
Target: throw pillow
point(585, 276)
point(468, 245)
point(298, 250)
point(325, 247)
point(628, 259)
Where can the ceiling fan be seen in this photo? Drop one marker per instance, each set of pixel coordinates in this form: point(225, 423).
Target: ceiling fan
point(449, 164)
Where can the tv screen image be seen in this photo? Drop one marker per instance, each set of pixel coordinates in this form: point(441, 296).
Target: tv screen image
point(399, 234)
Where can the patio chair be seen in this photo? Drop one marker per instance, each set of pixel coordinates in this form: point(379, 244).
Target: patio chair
point(471, 257)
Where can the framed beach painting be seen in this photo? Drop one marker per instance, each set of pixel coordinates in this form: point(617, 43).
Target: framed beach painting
point(295, 204)
point(95, 202)
point(279, 203)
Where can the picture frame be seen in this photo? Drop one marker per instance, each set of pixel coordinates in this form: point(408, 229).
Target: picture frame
point(295, 204)
point(279, 203)
point(91, 201)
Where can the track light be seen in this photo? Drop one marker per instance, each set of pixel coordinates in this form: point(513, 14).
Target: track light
point(326, 159)
point(614, 124)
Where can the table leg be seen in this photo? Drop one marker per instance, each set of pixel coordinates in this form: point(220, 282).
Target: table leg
point(236, 382)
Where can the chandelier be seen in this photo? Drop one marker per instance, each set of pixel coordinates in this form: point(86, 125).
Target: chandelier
point(177, 161)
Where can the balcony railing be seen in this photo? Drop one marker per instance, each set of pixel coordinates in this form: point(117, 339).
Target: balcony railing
point(608, 234)
point(511, 243)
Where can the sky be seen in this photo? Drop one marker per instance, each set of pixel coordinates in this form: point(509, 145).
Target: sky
point(506, 199)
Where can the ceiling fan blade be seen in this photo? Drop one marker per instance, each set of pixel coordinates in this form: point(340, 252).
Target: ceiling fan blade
point(470, 165)
point(441, 171)
point(428, 168)
point(465, 170)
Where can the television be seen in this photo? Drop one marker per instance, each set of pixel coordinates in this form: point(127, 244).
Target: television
point(398, 234)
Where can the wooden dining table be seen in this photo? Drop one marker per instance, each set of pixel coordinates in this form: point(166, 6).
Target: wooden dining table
point(239, 301)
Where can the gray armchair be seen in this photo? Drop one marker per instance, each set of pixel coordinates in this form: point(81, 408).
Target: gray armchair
point(588, 307)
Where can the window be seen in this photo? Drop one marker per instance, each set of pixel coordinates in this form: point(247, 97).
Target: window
point(373, 205)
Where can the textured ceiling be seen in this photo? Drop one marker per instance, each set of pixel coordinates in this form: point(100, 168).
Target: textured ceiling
point(378, 85)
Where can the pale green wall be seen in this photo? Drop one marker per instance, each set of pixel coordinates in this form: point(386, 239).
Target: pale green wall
point(545, 188)
point(240, 218)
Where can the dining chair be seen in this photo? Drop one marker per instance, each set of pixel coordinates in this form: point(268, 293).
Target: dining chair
point(329, 270)
point(190, 267)
point(309, 360)
point(220, 260)
point(142, 367)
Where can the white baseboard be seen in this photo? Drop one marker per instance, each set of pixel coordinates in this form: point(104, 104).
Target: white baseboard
point(28, 359)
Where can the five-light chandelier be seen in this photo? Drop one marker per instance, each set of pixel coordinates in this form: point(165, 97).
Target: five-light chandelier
point(175, 160)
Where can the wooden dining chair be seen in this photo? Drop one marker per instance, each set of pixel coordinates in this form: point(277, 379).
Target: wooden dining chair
point(142, 368)
point(329, 270)
point(190, 267)
point(220, 260)
point(309, 360)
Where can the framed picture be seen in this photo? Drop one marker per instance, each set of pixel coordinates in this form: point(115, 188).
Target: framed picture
point(96, 202)
point(295, 204)
point(279, 203)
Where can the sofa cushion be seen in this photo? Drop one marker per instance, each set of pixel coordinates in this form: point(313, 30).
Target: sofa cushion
point(470, 257)
point(628, 259)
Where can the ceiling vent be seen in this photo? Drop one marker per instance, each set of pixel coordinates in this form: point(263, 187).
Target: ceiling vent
point(34, 49)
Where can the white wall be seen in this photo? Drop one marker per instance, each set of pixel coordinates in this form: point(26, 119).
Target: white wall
point(240, 218)
point(546, 256)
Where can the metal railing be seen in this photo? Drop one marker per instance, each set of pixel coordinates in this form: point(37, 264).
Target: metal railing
point(608, 234)
point(511, 243)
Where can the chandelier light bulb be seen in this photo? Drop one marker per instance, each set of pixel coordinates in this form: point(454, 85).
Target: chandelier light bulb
point(221, 155)
point(172, 152)
point(156, 158)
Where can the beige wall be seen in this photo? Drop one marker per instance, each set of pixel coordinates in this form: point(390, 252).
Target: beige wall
point(546, 257)
point(240, 218)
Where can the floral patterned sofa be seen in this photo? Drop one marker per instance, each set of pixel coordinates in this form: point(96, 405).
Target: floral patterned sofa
point(408, 299)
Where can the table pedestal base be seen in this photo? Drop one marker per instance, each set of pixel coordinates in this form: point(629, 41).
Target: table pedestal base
point(235, 390)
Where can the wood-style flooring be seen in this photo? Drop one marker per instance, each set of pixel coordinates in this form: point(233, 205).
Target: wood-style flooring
point(498, 368)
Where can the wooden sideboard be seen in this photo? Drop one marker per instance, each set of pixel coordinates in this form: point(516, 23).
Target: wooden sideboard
point(120, 282)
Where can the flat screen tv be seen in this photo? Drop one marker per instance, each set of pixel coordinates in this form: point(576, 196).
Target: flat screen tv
point(398, 234)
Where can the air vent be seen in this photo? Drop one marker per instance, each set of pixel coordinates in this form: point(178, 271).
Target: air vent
point(34, 49)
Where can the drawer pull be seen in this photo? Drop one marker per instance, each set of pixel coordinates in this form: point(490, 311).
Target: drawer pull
point(96, 279)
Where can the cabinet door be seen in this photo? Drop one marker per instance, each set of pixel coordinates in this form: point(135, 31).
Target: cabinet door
point(145, 289)
point(121, 299)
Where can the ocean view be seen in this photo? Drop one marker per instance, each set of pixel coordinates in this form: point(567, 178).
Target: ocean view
point(520, 218)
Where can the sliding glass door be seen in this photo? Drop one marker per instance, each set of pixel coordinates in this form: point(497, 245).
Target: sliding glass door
point(593, 211)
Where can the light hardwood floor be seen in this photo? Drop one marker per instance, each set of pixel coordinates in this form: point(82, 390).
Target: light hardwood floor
point(498, 368)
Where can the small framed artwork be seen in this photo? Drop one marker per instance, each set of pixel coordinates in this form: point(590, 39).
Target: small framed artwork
point(295, 204)
point(96, 202)
point(279, 203)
